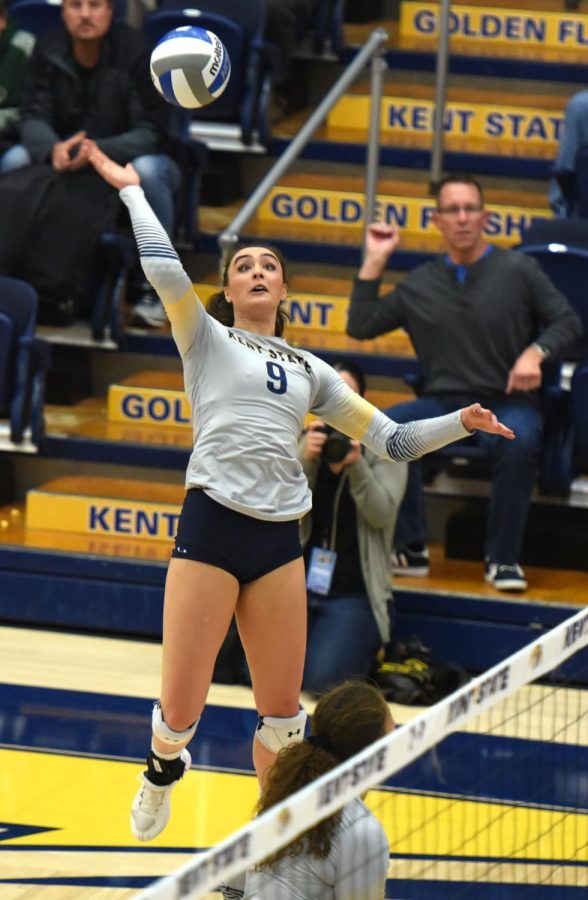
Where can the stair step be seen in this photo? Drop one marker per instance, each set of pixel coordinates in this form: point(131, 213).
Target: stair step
point(88, 421)
point(151, 407)
point(14, 534)
point(105, 507)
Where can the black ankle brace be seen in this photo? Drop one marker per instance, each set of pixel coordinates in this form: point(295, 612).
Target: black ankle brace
point(164, 771)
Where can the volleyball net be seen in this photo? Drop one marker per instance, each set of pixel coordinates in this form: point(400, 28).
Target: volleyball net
point(487, 787)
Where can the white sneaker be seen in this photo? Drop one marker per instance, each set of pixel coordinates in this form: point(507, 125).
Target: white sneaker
point(149, 311)
point(150, 811)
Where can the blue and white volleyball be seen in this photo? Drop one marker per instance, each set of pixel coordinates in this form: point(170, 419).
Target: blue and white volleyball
point(190, 67)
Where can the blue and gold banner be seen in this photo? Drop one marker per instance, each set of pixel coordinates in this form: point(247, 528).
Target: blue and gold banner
point(516, 28)
point(402, 115)
point(413, 215)
point(148, 406)
point(101, 516)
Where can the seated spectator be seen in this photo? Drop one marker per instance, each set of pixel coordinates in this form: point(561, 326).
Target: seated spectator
point(575, 135)
point(347, 539)
point(482, 320)
point(15, 49)
point(346, 856)
point(87, 85)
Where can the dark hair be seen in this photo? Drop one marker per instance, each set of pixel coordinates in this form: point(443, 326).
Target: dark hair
point(4, 9)
point(344, 365)
point(457, 178)
point(217, 305)
point(346, 720)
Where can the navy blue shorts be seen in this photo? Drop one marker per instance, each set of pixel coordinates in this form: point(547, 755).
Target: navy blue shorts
point(241, 545)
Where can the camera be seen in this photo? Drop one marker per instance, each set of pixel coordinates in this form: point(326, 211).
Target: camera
point(337, 445)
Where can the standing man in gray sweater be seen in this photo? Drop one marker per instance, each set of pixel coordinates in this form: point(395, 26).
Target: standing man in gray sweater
point(482, 321)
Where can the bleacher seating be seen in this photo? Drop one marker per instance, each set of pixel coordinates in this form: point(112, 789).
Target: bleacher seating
point(24, 360)
point(124, 579)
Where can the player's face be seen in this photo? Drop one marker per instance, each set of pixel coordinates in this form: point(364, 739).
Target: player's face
point(255, 282)
point(460, 217)
point(87, 20)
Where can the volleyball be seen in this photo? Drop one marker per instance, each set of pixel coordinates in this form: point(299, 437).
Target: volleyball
point(190, 67)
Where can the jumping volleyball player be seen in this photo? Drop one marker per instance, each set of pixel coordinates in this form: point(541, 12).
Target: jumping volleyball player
point(237, 547)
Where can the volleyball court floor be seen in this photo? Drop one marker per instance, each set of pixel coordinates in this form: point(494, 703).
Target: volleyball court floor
point(74, 728)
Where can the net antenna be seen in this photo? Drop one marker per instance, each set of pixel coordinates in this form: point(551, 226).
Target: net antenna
point(283, 823)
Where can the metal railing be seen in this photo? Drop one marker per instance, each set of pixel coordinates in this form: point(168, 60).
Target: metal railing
point(372, 49)
point(440, 92)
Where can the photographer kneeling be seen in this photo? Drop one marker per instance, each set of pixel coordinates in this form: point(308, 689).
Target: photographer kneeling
point(347, 539)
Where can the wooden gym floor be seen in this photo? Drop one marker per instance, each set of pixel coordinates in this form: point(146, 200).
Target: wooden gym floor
point(74, 726)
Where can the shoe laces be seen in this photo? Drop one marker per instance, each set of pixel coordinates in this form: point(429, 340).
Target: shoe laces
point(150, 799)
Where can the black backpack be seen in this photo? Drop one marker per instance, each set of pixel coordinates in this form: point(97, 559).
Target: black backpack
point(408, 674)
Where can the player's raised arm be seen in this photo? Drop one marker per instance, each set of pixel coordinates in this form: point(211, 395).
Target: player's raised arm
point(160, 262)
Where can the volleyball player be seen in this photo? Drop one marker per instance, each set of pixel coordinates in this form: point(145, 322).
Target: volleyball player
point(237, 546)
point(345, 856)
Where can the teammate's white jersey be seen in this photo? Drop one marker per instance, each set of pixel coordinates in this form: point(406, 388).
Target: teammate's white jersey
point(355, 868)
point(250, 394)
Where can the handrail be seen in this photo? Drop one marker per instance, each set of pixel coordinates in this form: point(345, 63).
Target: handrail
point(440, 92)
point(371, 48)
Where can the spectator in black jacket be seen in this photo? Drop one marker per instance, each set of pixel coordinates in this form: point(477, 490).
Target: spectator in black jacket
point(88, 84)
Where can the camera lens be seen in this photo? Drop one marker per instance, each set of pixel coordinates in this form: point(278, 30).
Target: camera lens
point(336, 447)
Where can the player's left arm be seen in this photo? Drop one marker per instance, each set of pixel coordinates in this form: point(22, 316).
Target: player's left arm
point(346, 411)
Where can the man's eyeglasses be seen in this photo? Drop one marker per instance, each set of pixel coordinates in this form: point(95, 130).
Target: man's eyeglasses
point(470, 209)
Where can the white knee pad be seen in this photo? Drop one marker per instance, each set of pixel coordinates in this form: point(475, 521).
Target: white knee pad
point(276, 733)
point(165, 733)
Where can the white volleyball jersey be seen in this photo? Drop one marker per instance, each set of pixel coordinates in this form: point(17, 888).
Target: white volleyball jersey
point(250, 394)
point(355, 868)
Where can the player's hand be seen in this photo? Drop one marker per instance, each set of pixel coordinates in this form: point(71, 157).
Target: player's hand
point(526, 373)
point(314, 440)
point(118, 176)
point(476, 418)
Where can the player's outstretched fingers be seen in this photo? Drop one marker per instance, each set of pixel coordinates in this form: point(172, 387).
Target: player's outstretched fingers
point(477, 418)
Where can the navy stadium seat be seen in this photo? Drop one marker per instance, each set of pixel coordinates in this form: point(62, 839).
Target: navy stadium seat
point(24, 360)
point(567, 267)
point(36, 16)
point(240, 26)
